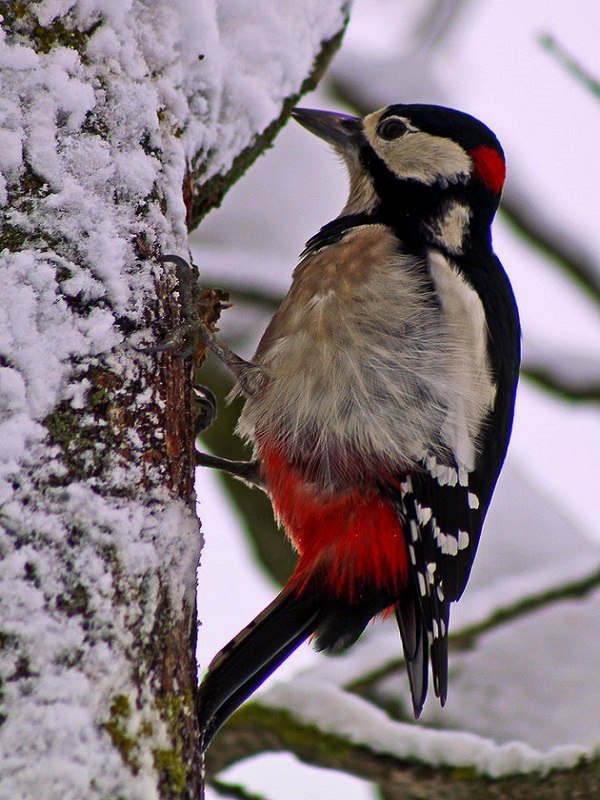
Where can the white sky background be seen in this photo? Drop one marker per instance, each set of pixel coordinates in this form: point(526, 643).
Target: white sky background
point(549, 126)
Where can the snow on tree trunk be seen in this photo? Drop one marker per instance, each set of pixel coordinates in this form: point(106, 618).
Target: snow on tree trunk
point(107, 110)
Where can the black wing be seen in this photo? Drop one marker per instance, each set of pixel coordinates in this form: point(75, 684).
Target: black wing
point(443, 507)
point(442, 518)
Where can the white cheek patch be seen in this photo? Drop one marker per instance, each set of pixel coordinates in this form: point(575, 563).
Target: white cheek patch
point(425, 158)
point(420, 156)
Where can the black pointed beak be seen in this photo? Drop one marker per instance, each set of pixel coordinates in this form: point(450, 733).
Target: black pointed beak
point(340, 130)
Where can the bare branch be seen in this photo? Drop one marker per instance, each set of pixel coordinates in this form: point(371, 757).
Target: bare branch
point(234, 791)
point(438, 22)
point(524, 216)
point(584, 77)
point(580, 391)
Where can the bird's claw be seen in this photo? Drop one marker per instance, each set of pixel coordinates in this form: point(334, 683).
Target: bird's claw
point(205, 408)
point(192, 332)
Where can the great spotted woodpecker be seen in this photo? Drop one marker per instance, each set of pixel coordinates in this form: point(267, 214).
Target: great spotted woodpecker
point(380, 399)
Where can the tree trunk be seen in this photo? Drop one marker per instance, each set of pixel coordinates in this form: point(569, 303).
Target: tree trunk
point(108, 122)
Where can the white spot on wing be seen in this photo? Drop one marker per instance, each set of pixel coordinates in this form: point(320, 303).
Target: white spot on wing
point(463, 540)
point(414, 530)
point(422, 586)
point(444, 475)
point(431, 567)
point(473, 500)
point(451, 545)
point(424, 513)
point(447, 543)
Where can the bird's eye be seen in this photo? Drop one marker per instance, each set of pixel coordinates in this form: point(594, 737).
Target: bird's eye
point(391, 128)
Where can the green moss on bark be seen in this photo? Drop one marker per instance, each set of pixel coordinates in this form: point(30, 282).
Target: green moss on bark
point(117, 727)
point(172, 772)
point(20, 19)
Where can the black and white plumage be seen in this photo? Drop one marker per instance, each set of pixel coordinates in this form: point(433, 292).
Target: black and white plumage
point(388, 379)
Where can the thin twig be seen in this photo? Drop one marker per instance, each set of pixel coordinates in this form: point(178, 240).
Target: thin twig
point(584, 391)
point(544, 235)
point(234, 791)
point(584, 77)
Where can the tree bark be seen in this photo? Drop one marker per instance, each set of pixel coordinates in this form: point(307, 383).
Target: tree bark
point(99, 541)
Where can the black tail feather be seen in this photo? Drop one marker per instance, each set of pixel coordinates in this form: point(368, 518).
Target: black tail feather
point(340, 624)
point(243, 664)
point(414, 643)
point(250, 657)
point(439, 655)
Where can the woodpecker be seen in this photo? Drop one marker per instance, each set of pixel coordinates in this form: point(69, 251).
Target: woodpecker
point(380, 400)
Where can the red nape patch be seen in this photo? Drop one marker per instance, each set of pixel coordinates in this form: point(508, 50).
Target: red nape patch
point(351, 540)
point(489, 167)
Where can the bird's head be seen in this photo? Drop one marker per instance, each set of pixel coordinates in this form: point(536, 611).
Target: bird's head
point(411, 159)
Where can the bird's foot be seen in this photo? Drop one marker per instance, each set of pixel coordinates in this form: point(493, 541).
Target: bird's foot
point(246, 471)
point(205, 408)
point(194, 333)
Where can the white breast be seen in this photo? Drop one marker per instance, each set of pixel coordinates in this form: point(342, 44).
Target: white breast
point(370, 360)
point(465, 327)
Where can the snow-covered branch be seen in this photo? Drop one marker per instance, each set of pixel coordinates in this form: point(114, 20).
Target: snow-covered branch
point(405, 762)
